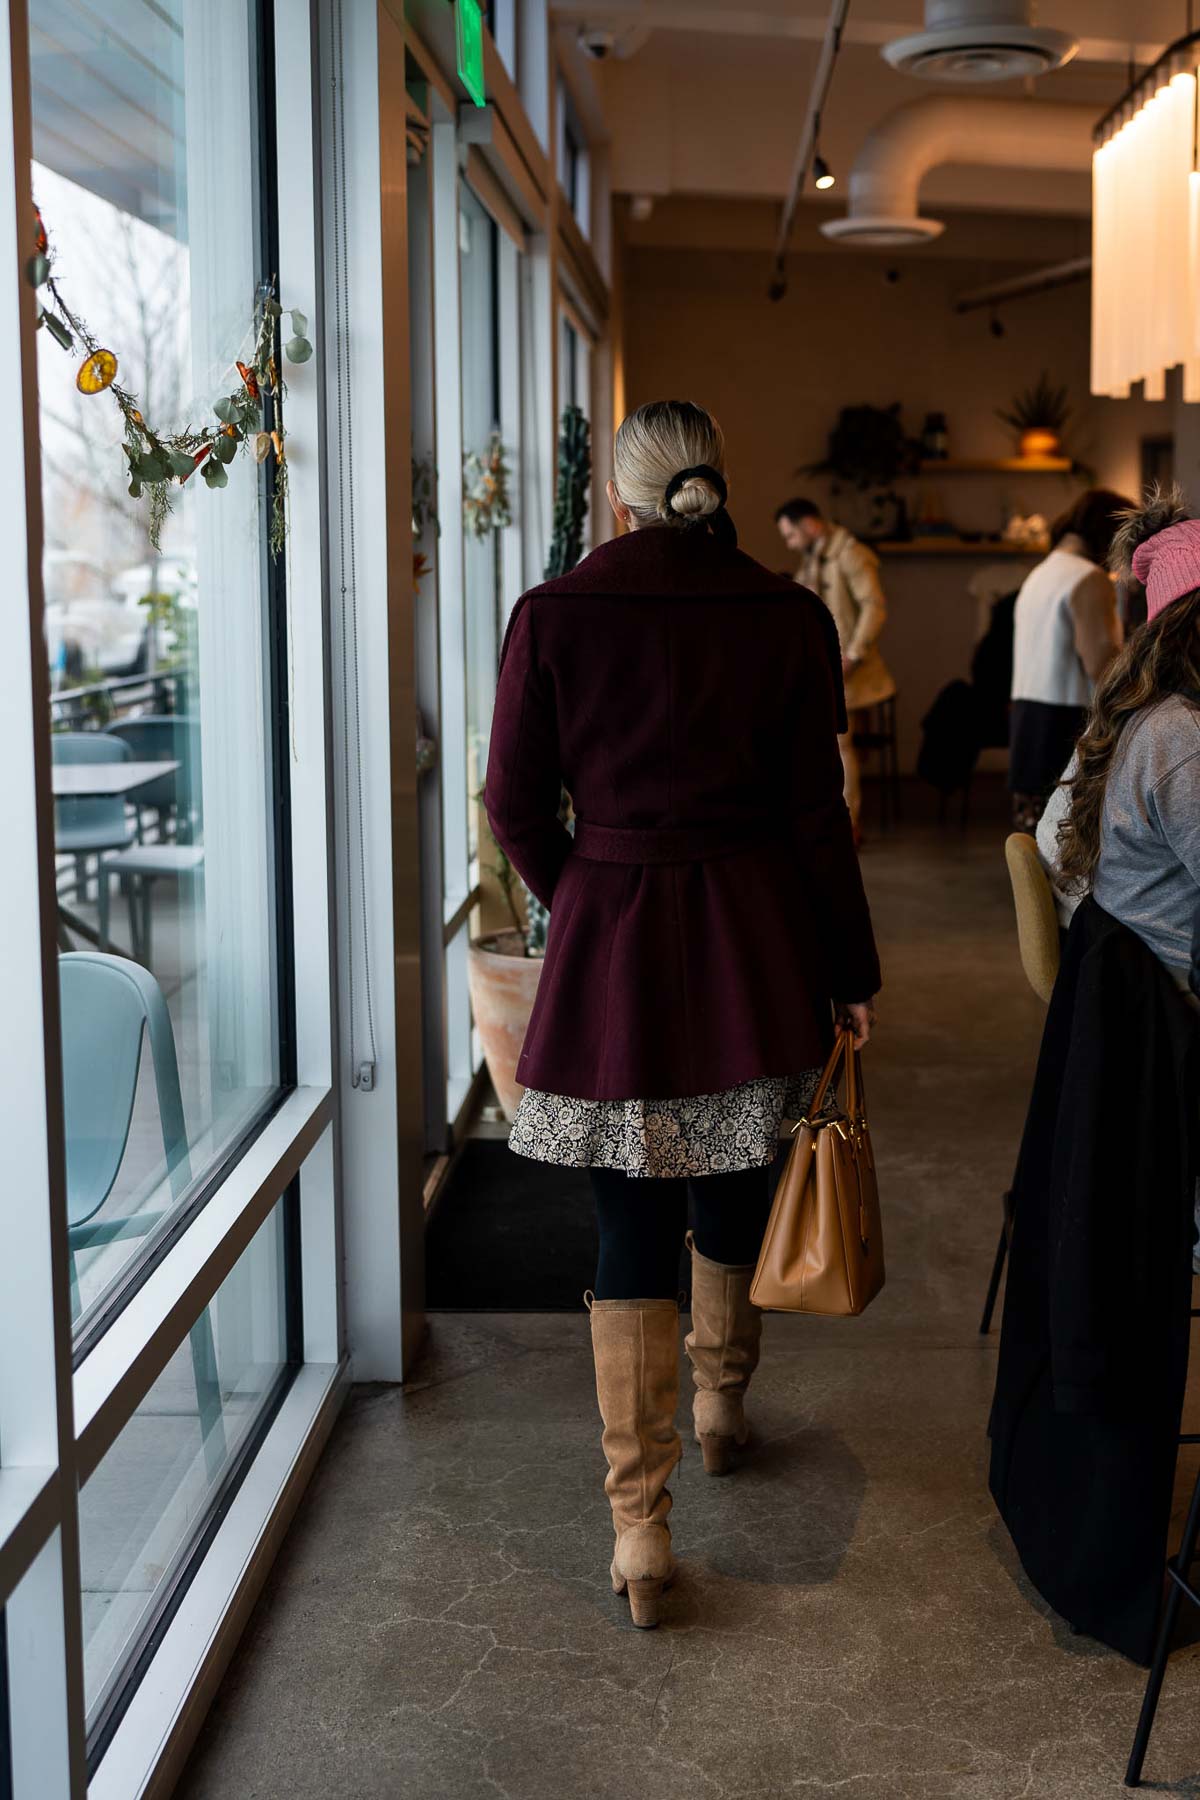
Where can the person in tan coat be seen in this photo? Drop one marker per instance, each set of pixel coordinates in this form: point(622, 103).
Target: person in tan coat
point(845, 574)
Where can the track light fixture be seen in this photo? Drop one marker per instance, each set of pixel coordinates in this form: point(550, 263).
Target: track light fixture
point(823, 175)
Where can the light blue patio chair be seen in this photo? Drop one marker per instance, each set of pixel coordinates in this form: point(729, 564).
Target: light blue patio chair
point(84, 828)
point(138, 869)
point(109, 1006)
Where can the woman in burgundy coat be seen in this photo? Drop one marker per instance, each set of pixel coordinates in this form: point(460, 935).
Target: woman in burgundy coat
point(708, 929)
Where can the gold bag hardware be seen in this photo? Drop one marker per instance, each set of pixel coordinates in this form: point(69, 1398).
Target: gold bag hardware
point(823, 1248)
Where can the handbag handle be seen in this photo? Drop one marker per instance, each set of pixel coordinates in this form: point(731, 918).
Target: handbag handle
point(828, 1075)
point(843, 1047)
point(853, 1078)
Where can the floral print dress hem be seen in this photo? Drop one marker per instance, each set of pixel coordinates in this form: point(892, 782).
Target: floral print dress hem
point(704, 1134)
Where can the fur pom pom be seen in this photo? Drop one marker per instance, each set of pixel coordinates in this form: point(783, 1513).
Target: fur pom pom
point(1162, 506)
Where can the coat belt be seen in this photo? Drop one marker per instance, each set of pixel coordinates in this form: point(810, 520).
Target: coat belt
point(668, 843)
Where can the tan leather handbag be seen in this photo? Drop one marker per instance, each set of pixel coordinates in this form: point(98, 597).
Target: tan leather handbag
point(823, 1248)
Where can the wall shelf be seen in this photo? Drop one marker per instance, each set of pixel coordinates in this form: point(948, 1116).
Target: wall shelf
point(986, 549)
point(1004, 465)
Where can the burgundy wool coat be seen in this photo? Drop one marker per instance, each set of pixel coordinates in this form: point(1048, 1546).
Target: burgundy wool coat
point(710, 905)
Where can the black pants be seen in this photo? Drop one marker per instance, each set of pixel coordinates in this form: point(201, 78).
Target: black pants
point(643, 1221)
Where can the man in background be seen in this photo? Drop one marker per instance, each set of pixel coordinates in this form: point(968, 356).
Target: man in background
point(845, 574)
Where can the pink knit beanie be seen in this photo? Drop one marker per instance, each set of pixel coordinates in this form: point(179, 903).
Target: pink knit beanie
point(1168, 564)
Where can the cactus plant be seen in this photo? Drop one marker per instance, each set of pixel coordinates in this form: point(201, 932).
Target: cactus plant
point(571, 493)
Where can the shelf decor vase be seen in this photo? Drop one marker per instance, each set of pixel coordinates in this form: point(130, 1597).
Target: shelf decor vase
point(1039, 441)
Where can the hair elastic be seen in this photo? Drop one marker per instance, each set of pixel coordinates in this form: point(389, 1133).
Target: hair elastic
point(706, 472)
point(719, 522)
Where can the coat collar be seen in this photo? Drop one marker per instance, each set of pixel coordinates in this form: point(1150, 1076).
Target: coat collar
point(832, 544)
point(659, 560)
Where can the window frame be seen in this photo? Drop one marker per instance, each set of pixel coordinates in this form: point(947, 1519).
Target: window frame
point(56, 1420)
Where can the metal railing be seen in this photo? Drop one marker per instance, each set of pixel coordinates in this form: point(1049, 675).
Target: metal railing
point(97, 703)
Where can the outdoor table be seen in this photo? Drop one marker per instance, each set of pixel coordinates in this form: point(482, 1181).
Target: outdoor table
point(105, 780)
point(99, 781)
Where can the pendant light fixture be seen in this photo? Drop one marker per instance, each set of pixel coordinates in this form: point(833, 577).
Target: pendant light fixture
point(1146, 231)
point(822, 174)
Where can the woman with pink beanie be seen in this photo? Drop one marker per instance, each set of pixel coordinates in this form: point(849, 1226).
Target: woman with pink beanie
point(1128, 815)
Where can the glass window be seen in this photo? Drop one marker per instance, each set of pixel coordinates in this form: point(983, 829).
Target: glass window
point(160, 645)
point(573, 169)
point(142, 1510)
point(501, 19)
point(569, 359)
point(480, 424)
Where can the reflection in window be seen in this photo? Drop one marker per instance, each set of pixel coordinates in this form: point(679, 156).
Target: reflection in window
point(145, 172)
point(575, 384)
point(142, 1508)
point(480, 418)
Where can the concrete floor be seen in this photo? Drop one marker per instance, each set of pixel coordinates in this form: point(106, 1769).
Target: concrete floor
point(850, 1618)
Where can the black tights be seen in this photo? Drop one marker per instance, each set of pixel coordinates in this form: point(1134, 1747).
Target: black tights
point(643, 1220)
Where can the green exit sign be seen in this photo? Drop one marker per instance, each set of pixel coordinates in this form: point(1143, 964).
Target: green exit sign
point(468, 30)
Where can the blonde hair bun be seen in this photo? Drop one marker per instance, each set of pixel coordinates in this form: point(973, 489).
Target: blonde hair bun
point(652, 445)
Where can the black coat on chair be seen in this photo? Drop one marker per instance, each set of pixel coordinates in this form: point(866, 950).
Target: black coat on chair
point(1094, 1347)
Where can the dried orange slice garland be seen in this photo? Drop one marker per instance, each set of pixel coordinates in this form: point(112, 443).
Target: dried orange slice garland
point(252, 415)
point(97, 372)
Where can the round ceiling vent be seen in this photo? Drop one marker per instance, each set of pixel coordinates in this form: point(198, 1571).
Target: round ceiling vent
point(996, 51)
point(879, 232)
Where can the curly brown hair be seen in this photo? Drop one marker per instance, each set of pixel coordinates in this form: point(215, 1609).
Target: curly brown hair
point(1161, 658)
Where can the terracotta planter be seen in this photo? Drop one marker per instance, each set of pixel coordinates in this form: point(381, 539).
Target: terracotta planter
point(503, 983)
point(1039, 440)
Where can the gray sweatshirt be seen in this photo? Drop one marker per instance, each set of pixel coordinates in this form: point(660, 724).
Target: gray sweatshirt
point(1148, 875)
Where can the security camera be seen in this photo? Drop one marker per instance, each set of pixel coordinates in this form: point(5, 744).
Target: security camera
point(597, 42)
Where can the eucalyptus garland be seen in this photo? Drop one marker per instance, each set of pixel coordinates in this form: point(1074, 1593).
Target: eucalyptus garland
point(486, 503)
point(158, 460)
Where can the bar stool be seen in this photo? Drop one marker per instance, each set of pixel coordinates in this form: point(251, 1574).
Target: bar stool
point(873, 731)
point(1039, 944)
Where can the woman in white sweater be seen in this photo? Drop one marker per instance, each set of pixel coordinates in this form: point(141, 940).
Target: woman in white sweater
point(1066, 632)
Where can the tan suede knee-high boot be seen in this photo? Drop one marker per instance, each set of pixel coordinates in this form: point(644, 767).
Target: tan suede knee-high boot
point(723, 1346)
point(636, 1347)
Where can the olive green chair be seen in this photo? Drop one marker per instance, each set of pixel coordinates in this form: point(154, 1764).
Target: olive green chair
point(1039, 941)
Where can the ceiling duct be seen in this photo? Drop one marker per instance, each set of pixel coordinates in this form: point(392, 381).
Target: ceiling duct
point(980, 40)
point(885, 181)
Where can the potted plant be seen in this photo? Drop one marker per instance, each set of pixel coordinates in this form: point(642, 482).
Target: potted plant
point(869, 450)
point(503, 971)
point(1038, 416)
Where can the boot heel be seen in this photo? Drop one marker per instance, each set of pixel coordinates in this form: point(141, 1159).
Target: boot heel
point(645, 1598)
point(717, 1453)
